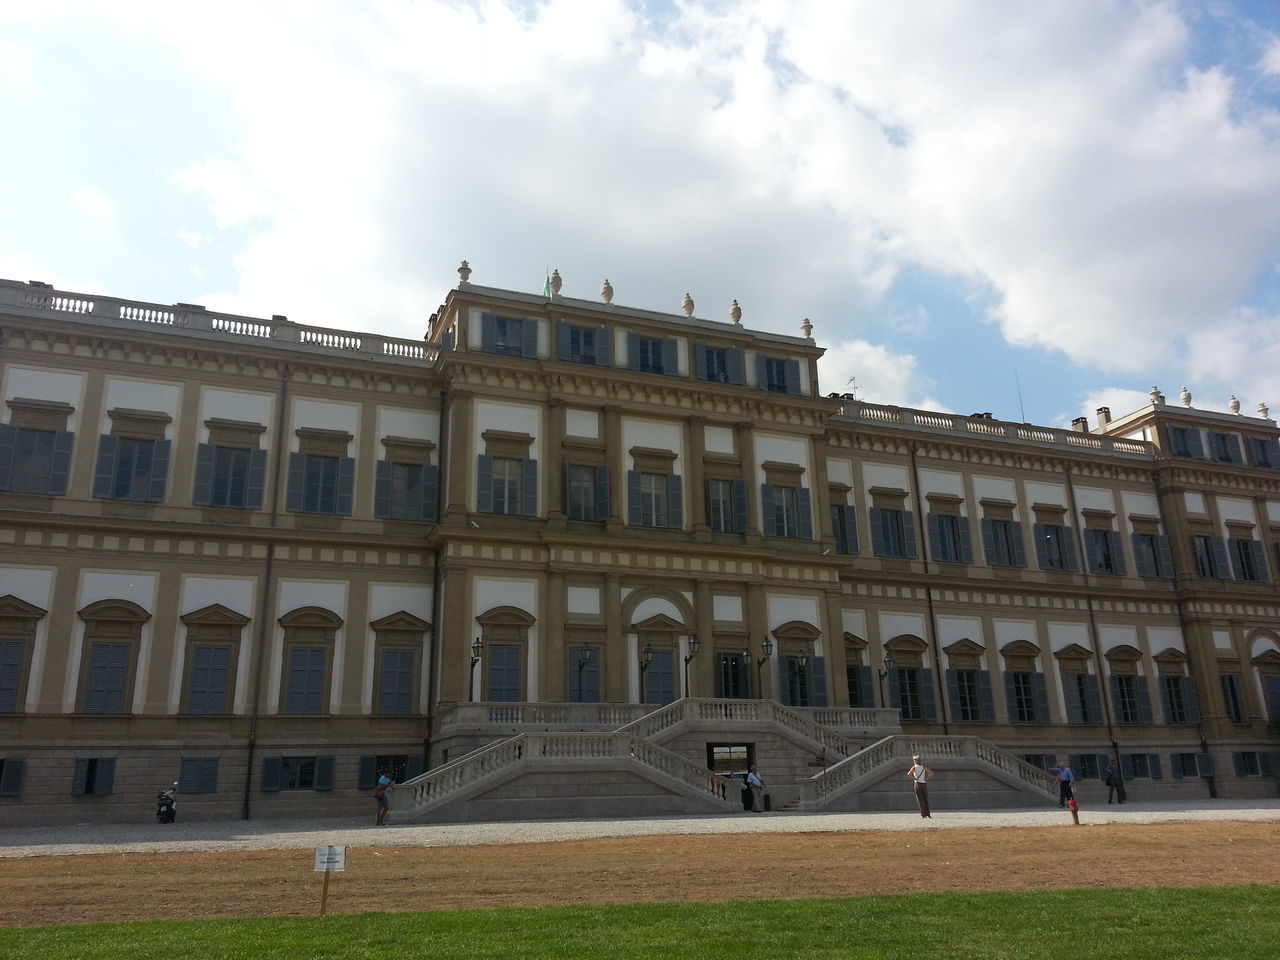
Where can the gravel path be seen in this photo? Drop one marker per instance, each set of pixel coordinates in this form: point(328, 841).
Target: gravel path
point(233, 835)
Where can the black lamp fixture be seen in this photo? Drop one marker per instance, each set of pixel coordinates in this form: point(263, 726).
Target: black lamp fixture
point(584, 657)
point(477, 647)
point(646, 658)
point(694, 646)
point(888, 665)
point(766, 647)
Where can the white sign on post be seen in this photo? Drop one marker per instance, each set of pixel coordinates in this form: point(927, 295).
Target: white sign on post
point(331, 859)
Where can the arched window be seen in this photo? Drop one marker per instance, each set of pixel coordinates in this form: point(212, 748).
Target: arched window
point(18, 621)
point(213, 650)
point(112, 632)
point(309, 634)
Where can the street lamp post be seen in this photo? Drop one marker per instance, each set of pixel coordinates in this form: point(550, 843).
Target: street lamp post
point(646, 658)
point(766, 647)
point(694, 645)
point(888, 665)
point(584, 657)
point(476, 647)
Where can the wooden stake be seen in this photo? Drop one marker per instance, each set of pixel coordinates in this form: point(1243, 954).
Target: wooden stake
point(324, 893)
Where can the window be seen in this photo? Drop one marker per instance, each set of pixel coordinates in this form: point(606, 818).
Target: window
point(503, 672)
point(733, 679)
point(1234, 697)
point(1055, 550)
point(949, 539)
point(844, 528)
point(223, 477)
point(131, 468)
point(966, 689)
point(1140, 766)
point(1041, 761)
point(1185, 442)
point(796, 681)
point(1002, 543)
point(1189, 764)
point(198, 775)
point(719, 364)
point(94, 777)
point(786, 512)
point(35, 461)
point(314, 484)
point(1106, 557)
point(652, 355)
point(507, 486)
point(296, 773)
point(399, 767)
point(778, 375)
point(586, 491)
point(11, 773)
point(508, 336)
point(1130, 699)
point(583, 344)
point(1180, 702)
point(12, 657)
point(730, 759)
point(1027, 701)
point(1225, 448)
point(305, 680)
point(1151, 555)
point(1247, 559)
point(1251, 763)
point(208, 686)
point(1082, 696)
point(584, 673)
point(910, 690)
point(893, 533)
point(654, 500)
point(18, 623)
point(406, 491)
point(727, 505)
point(1088, 766)
point(659, 678)
point(1211, 556)
point(107, 677)
point(112, 631)
point(1265, 453)
point(858, 683)
point(395, 681)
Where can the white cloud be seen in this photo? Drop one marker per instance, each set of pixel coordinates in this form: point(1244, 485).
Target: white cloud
point(94, 203)
point(1270, 62)
point(875, 374)
point(1119, 400)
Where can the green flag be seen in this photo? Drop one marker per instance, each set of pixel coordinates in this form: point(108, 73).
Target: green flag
point(546, 287)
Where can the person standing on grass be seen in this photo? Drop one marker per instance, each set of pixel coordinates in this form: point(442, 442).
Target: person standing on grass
point(757, 791)
point(920, 775)
point(1066, 781)
point(385, 783)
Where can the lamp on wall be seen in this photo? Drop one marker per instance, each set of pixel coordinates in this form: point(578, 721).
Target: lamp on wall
point(888, 665)
point(584, 657)
point(694, 646)
point(477, 646)
point(646, 658)
point(766, 647)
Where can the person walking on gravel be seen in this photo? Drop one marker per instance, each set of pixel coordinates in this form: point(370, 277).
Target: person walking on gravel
point(920, 775)
point(385, 783)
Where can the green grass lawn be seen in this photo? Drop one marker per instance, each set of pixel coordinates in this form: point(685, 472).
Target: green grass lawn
point(1226, 923)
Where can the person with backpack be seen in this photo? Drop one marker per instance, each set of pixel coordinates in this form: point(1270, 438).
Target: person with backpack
point(385, 783)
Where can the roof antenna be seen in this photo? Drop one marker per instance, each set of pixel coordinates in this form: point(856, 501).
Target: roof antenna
point(1018, 383)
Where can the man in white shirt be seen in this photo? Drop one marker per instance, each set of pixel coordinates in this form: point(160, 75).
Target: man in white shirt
point(920, 775)
point(757, 791)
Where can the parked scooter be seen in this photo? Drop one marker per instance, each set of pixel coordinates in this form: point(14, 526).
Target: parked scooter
point(167, 804)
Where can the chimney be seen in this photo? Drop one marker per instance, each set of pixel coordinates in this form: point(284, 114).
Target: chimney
point(1080, 424)
point(1104, 416)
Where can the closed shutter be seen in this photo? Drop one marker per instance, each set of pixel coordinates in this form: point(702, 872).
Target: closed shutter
point(202, 496)
point(105, 684)
point(11, 772)
point(8, 448)
point(210, 671)
point(1144, 700)
point(988, 703)
point(346, 486)
point(989, 542)
point(324, 773)
point(804, 506)
point(80, 778)
point(294, 499)
point(1071, 695)
point(104, 781)
point(396, 683)
point(1145, 564)
point(1221, 565)
point(675, 502)
point(1042, 545)
point(761, 375)
point(928, 701)
point(159, 484)
point(893, 690)
point(563, 348)
point(64, 442)
point(818, 681)
point(933, 529)
point(739, 506)
point(604, 347)
point(1195, 445)
point(412, 766)
point(1010, 697)
point(866, 693)
point(1070, 559)
point(272, 767)
point(670, 357)
point(504, 673)
point(484, 483)
point(601, 485)
point(1164, 557)
point(783, 685)
point(1040, 691)
point(198, 775)
point(633, 350)
point(659, 678)
point(877, 531)
point(430, 493)
point(768, 519)
point(1094, 690)
point(488, 333)
point(966, 541)
point(1192, 699)
point(589, 691)
point(1259, 559)
point(793, 377)
point(908, 534)
point(951, 678)
point(634, 512)
point(736, 365)
point(1234, 452)
point(382, 489)
point(700, 360)
point(1117, 552)
point(256, 481)
point(11, 655)
point(848, 518)
point(104, 473)
point(529, 488)
point(529, 339)
point(1153, 766)
point(305, 692)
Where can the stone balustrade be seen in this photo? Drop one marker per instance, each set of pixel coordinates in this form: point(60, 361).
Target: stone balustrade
point(607, 716)
point(39, 300)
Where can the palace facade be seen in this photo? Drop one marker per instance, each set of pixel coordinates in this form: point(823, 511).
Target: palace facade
point(563, 557)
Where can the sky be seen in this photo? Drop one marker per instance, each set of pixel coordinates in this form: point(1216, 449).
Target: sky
point(1028, 209)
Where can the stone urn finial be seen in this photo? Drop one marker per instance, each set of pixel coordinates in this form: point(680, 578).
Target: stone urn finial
point(1185, 397)
point(1157, 397)
point(606, 292)
point(1264, 412)
point(556, 283)
point(807, 329)
point(464, 272)
point(1234, 405)
point(735, 314)
point(687, 305)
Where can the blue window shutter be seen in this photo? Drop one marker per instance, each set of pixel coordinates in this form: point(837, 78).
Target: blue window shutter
point(908, 535)
point(866, 692)
point(529, 338)
point(1019, 548)
point(736, 365)
point(1270, 695)
point(446, 340)
point(1221, 564)
point(671, 358)
point(203, 492)
point(1117, 551)
point(966, 541)
point(1234, 452)
point(1195, 446)
point(396, 688)
point(768, 520)
point(1144, 700)
point(1093, 690)
point(8, 444)
point(105, 682)
point(413, 766)
point(488, 333)
point(484, 483)
point(1153, 765)
point(1164, 557)
point(105, 470)
point(1237, 761)
point(1042, 547)
point(989, 541)
point(529, 488)
point(793, 377)
point(928, 702)
point(11, 777)
point(297, 482)
point(818, 681)
point(633, 350)
point(1273, 452)
point(430, 493)
point(11, 656)
point(675, 502)
point(1042, 697)
point(601, 498)
point(1093, 550)
point(1075, 709)
point(1010, 700)
point(79, 778)
point(382, 489)
point(1141, 560)
point(210, 672)
point(951, 678)
point(64, 442)
point(988, 704)
point(849, 519)
point(563, 348)
point(783, 686)
point(256, 481)
point(324, 773)
point(604, 347)
point(634, 514)
point(1069, 549)
point(761, 377)
point(1192, 699)
point(346, 486)
point(804, 506)
point(160, 470)
point(304, 695)
point(740, 505)
point(104, 781)
point(1259, 559)
point(1205, 764)
point(272, 767)
point(367, 778)
point(700, 360)
point(877, 531)
point(504, 673)
point(895, 694)
point(1114, 683)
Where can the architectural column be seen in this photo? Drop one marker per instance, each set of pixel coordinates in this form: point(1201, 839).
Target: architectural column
point(820, 493)
point(553, 684)
point(746, 443)
point(702, 667)
point(757, 630)
point(695, 478)
point(617, 662)
point(553, 464)
point(454, 637)
point(833, 647)
point(459, 457)
point(615, 456)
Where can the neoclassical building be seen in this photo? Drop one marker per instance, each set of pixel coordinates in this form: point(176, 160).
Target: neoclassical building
point(563, 557)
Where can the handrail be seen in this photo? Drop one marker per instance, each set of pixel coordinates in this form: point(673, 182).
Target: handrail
point(688, 709)
point(609, 716)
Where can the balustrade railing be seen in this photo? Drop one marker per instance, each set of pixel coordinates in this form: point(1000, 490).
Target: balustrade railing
point(608, 716)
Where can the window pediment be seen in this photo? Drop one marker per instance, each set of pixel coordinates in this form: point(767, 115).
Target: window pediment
point(214, 613)
point(12, 608)
point(310, 617)
point(1124, 652)
point(400, 620)
point(965, 648)
point(1073, 651)
point(114, 610)
point(505, 617)
point(796, 630)
point(1020, 648)
point(660, 623)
